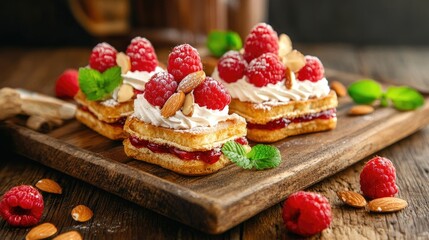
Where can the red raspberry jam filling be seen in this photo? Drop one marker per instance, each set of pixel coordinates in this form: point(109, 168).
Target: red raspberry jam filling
point(283, 122)
point(210, 156)
point(119, 123)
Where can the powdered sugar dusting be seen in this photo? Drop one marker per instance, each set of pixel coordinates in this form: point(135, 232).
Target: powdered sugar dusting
point(110, 102)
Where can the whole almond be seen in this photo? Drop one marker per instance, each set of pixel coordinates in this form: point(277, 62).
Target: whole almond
point(295, 60)
point(191, 81)
point(339, 88)
point(188, 105)
point(49, 185)
point(174, 103)
point(123, 61)
point(125, 93)
point(361, 110)
point(71, 235)
point(81, 213)
point(387, 204)
point(289, 78)
point(353, 199)
point(41, 231)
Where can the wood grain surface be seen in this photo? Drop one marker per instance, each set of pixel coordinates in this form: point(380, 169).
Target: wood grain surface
point(117, 218)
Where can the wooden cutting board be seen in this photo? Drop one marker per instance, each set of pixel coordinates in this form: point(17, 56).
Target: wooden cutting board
point(217, 202)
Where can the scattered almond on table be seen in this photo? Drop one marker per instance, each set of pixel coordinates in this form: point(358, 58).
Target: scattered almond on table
point(70, 235)
point(339, 88)
point(351, 198)
point(361, 110)
point(81, 213)
point(387, 204)
point(49, 185)
point(41, 231)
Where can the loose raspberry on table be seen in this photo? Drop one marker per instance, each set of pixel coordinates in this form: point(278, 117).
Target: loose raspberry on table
point(22, 206)
point(378, 178)
point(159, 88)
point(261, 39)
point(265, 69)
point(313, 70)
point(231, 66)
point(67, 84)
point(142, 55)
point(306, 213)
point(103, 57)
point(183, 60)
point(211, 94)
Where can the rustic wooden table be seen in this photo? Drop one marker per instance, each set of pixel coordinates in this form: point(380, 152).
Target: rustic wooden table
point(115, 218)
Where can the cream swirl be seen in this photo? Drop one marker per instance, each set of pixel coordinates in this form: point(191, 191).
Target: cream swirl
point(274, 93)
point(201, 117)
point(138, 79)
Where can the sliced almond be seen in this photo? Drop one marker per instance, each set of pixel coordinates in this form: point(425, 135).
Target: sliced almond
point(339, 88)
point(70, 235)
point(361, 110)
point(353, 199)
point(387, 204)
point(81, 213)
point(295, 60)
point(125, 93)
point(191, 81)
point(49, 185)
point(289, 78)
point(188, 105)
point(173, 104)
point(285, 45)
point(123, 61)
point(41, 231)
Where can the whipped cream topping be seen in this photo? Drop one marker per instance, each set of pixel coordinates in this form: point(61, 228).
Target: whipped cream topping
point(274, 94)
point(201, 117)
point(138, 79)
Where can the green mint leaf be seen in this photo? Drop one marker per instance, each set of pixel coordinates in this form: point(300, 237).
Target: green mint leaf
point(234, 41)
point(264, 156)
point(365, 91)
point(236, 153)
point(217, 43)
point(384, 102)
point(112, 79)
point(97, 86)
point(405, 98)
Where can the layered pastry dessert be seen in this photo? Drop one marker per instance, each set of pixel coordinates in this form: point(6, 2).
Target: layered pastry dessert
point(279, 91)
point(181, 121)
point(110, 83)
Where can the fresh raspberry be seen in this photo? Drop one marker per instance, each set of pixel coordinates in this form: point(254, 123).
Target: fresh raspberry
point(22, 206)
point(67, 84)
point(142, 55)
point(265, 69)
point(159, 88)
point(103, 57)
point(378, 178)
point(313, 70)
point(183, 60)
point(306, 213)
point(211, 94)
point(231, 66)
point(261, 39)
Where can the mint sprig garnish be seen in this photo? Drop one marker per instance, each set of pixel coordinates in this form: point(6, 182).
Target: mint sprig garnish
point(98, 86)
point(219, 42)
point(260, 157)
point(367, 91)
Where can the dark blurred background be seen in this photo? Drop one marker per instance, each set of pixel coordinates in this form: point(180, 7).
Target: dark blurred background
point(168, 22)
